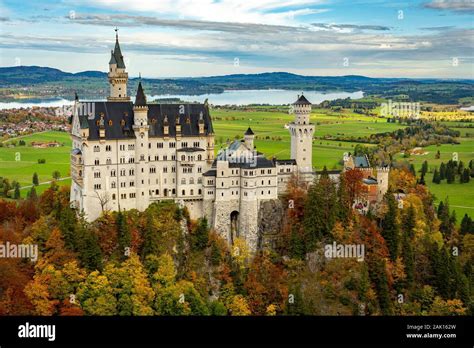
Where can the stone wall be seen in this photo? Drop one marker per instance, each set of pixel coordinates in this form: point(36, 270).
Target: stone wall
point(270, 221)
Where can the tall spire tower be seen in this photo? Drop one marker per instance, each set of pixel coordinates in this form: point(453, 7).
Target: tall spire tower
point(302, 131)
point(118, 77)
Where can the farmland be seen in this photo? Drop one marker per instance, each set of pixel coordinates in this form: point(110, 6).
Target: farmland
point(273, 139)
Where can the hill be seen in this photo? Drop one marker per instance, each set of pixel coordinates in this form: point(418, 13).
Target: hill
point(44, 82)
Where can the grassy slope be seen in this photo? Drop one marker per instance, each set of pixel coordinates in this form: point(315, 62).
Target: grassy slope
point(57, 158)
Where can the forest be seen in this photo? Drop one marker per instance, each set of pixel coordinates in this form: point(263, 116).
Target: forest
point(417, 260)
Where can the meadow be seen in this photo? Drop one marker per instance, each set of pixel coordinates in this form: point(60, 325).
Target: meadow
point(20, 162)
point(273, 139)
point(461, 196)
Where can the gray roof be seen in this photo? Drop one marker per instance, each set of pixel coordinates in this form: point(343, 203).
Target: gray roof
point(140, 99)
point(261, 162)
point(302, 101)
point(83, 122)
point(370, 181)
point(190, 149)
point(361, 162)
point(211, 172)
point(119, 112)
point(335, 171)
point(118, 55)
point(285, 161)
point(112, 58)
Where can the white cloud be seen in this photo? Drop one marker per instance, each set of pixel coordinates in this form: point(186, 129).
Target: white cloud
point(242, 11)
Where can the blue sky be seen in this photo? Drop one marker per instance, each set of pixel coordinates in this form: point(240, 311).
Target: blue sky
point(171, 38)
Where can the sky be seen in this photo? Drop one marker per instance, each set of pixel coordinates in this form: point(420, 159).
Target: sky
point(181, 38)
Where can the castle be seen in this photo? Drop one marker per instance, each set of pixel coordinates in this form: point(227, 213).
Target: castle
point(128, 155)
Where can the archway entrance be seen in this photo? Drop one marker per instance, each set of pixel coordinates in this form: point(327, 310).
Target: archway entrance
point(234, 226)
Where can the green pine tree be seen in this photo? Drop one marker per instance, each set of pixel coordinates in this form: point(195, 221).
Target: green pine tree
point(442, 171)
point(436, 177)
point(35, 179)
point(390, 228)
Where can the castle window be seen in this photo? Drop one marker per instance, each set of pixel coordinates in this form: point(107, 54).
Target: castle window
point(97, 175)
point(199, 170)
point(183, 158)
point(199, 192)
point(132, 184)
point(96, 148)
point(165, 169)
point(183, 192)
point(192, 192)
point(96, 162)
point(113, 196)
point(108, 148)
point(183, 181)
point(109, 161)
point(173, 157)
point(173, 169)
point(113, 184)
point(191, 181)
point(173, 191)
point(165, 158)
point(172, 145)
point(199, 180)
point(196, 144)
point(97, 186)
point(269, 182)
point(199, 157)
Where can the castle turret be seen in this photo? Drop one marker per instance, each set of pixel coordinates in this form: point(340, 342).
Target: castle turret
point(118, 77)
point(249, 137)
point(302, 131)
point(382, 181)
point(140, 127)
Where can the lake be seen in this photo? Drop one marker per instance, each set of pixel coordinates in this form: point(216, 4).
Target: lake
point(234, 97)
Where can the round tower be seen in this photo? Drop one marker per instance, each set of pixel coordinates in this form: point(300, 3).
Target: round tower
point(382, 181)
point(249, 137)
point(302, 131)
point(118, 77)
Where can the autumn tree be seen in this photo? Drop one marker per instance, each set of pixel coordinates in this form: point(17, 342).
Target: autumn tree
point(390, 229)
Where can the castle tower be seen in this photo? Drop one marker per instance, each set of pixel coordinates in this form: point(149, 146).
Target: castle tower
point(140, 127)
point(302, 132)
point(382, 181)
point(118, 77)
point(249, 136)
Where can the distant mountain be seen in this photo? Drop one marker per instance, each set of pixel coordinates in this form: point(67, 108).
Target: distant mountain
point(45, 82)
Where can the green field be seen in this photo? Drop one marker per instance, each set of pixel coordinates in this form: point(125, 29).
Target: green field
point(229, 124)
point(273, 139)
point(461, 196)
point(20, 162)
